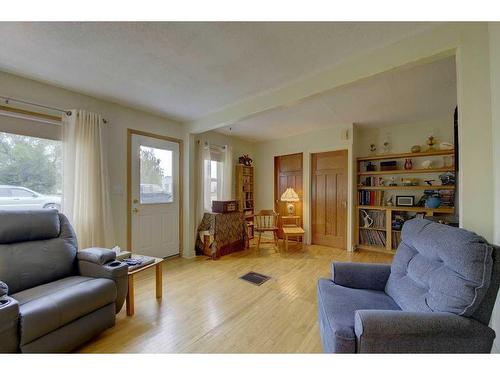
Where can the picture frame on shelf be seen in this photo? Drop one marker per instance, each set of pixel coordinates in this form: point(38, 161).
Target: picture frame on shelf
point(405, 200)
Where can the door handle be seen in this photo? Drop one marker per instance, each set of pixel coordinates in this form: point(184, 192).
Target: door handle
point(135, 210)
point(135, 201)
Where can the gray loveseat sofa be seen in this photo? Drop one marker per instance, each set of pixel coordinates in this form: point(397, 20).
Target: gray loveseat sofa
point(53, 298)
point(436, 297)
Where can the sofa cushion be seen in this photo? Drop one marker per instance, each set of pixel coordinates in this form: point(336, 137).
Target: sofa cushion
point(24, 265)
point(21, 226)
point(440, 268)
point(48, 307)
point(336, 307)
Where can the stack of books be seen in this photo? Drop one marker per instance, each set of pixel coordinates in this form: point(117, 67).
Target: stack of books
point(447, 198)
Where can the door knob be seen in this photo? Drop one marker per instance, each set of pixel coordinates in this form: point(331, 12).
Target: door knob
point(135, 201)
point(135, 210)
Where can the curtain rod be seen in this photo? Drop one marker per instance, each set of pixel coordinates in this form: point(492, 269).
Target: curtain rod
point(207, 143)
point(8, 99)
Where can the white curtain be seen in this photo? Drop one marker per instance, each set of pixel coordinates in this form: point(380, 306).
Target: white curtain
point(86, 199)
point(203, 179)
point(227, 173)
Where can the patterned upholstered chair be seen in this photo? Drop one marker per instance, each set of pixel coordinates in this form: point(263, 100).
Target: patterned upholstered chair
point(436, 297)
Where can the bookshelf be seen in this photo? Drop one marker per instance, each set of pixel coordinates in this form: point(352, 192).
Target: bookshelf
point(380, 236)
point(245, 194)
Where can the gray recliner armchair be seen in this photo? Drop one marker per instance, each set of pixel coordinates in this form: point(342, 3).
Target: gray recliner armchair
point(436, 297)
point(53, 298)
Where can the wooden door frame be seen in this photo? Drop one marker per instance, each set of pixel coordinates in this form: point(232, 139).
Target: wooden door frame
point(130, 133)
point(349, 206)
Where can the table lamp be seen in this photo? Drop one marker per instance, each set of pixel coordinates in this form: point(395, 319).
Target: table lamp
point(290, 196)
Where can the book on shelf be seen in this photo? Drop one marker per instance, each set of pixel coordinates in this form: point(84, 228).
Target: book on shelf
point(372, 237)
point(370, 198)
point(396, 239)
point(373, 181)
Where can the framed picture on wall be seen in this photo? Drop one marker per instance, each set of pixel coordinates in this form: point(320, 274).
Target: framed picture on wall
point(405, 200)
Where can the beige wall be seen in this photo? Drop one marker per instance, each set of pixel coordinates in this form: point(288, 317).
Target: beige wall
point(307, 143)
point(494, 29)
point(119, 119)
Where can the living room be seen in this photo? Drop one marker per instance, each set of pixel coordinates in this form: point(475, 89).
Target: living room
point(244, 187)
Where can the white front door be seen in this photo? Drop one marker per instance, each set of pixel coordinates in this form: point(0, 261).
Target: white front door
point(155, 196)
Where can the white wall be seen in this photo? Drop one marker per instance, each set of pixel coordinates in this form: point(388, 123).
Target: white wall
point(307, 143)
point(119, 119)
point(494, 30)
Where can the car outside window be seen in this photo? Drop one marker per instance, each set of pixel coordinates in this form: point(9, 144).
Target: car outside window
point(21, 193)
point(4, 192)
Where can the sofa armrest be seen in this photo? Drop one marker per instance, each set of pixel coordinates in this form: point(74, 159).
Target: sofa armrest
point(387, 331)
point(97, 255)
point(361, 275)
point(99, 263)
point(9, 318)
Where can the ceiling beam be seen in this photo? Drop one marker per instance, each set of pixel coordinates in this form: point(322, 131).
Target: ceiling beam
point(425, 47)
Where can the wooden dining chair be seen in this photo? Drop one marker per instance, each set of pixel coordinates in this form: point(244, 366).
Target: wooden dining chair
point(266, 221)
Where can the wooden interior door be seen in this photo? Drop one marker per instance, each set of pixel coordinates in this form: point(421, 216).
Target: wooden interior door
point(288, 172)
point(329, 198)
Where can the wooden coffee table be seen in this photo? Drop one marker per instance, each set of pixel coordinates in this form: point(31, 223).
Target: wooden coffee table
point(159, 286)
point(294, 231)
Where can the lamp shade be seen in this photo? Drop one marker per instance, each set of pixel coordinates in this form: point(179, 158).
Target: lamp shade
point(290, 196)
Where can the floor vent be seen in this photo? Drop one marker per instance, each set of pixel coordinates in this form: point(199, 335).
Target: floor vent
point(255, 278)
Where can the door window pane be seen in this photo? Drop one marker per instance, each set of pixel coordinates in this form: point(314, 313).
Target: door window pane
point(156, 178)
point(29, 163)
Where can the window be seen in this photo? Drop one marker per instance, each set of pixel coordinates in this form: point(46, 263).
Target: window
point(215, 170)
point(156, 175)
point(30, 172)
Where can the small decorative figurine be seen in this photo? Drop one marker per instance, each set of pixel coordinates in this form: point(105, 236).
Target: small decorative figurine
point(373, 148)
point(447, 178)
point(389, 202)
point(408, 164)
point(387, 147)
point(446, 146)
point(393, 182)
point(367, 220)
point(429, 182)
point(416, 149)
point(427, 164)
point(245, 160)
point(431, 141)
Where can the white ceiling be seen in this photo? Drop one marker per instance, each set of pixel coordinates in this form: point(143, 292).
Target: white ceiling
point(185, 70)
point(402, 96)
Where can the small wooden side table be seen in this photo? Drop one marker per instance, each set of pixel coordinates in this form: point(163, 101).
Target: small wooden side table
point(159, 284)
point(296, 232)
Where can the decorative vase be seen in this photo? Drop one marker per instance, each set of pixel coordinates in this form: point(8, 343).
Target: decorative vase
point(433, 202)
point(408, 164)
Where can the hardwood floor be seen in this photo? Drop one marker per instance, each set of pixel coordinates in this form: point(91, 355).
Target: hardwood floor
point(207, 309)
